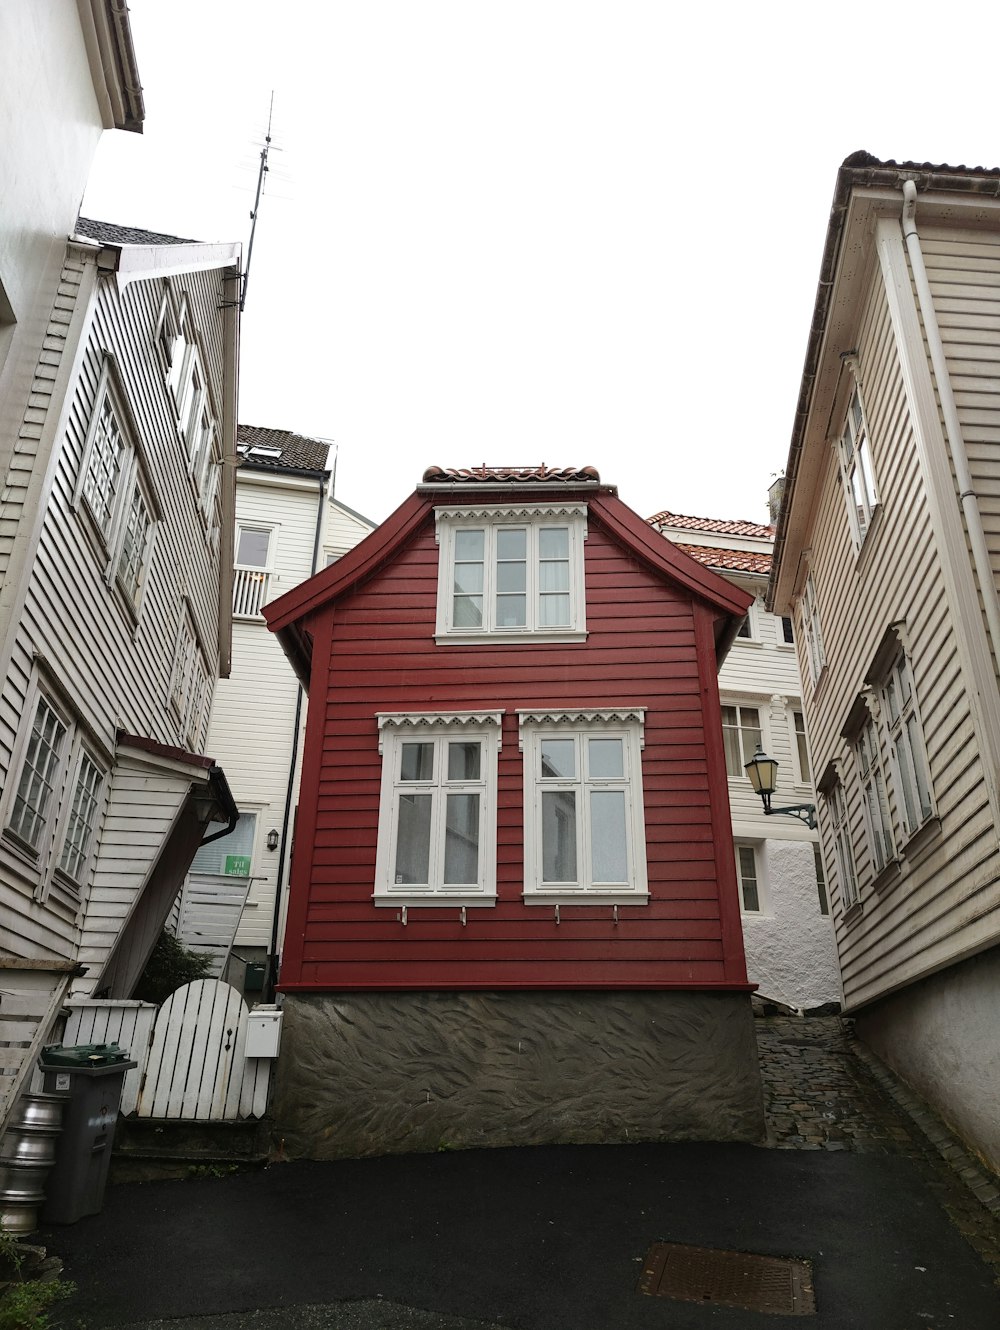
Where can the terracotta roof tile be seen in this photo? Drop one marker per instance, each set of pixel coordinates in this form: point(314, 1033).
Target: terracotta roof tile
point(515, 474)
point(110, 233)
point(716, 524)
point(735, 561)
point(296, 450)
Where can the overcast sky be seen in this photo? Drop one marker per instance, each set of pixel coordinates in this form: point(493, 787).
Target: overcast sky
point(538, 230)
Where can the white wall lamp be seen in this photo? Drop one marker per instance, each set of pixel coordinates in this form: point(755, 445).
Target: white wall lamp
point(763, 773)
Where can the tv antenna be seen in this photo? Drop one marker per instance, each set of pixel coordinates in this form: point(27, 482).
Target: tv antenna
point(262, 172)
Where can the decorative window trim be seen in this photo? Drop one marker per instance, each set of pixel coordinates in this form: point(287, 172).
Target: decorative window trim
point(108, 543)
point(437, 728)
point(856, 469)
point(843, 849)
point(812, 630)
point(904, 739)
point(626, 723)
point(874, 796)
point(450, 520)
point(40, 862)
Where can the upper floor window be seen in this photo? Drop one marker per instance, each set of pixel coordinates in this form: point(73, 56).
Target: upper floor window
point(584, 831)
point(787, 632)
point(741, 737)
point(511, 574)
point(812, 630)
point(113, 492)
point(906, 744)
point(254, 563)
point(824, 903)
point(189, 685)
point(804, 767)
point(856, 469)
point(876, 806)
point(842, 845)
point(437, 816)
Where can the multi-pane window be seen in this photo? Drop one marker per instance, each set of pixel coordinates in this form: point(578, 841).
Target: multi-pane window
point(136, 536)
point(82, 821)
point(856, 469)
point(873, 796)
point(114, 496)
point(843, 850)
point(55, 797)
point(189, 682)
point(102, 479)
point(746, 871)
point(787, 631)
point(801, 747)
point(437, 821)
point(815, 653)
point(583, 806)
point(518, 575)
point(36, 786)
point(906, 744)
point(740, 736)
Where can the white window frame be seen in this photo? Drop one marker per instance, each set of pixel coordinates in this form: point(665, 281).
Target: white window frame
point(252, 581)
point(800, 746)
point(42, 860)
point(741, 731)
point(874, 800)
point(451, 520)
point(109, 538)
point(189, 681)
point(753, 850)
point(627, 724)
point(821, 892)
point(856, 470)
point(904, 736)
point(812, 630)
point(843, 848)
point(437, 728)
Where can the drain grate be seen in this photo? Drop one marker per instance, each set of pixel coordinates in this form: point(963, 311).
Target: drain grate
point(777, 1284)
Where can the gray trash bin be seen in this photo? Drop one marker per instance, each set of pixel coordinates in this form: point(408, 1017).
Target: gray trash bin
point(93, 1075)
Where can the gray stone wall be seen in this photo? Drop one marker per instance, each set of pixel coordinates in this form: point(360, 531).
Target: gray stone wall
point(384, 1073)
point(942, 1036)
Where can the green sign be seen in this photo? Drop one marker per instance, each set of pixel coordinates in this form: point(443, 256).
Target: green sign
point(237, 865)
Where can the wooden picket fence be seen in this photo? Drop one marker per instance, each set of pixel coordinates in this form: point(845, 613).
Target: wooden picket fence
point(190, 1053)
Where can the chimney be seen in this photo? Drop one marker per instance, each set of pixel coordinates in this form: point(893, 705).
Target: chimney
point(775, 494)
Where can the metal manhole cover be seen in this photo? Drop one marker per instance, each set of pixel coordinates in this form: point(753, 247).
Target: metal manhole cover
point(780, 1285)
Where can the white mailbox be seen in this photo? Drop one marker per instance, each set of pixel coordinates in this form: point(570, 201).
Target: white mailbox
point(263, 1032)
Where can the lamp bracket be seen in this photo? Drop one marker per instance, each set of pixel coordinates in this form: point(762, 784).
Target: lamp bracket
point(804, 812)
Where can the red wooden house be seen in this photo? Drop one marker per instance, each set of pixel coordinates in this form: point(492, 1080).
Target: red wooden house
point(513, 912)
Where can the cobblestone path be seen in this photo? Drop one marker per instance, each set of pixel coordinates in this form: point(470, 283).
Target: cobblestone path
point(824, 1091)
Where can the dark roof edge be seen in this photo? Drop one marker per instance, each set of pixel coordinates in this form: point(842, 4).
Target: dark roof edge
point(860, 170)
point(276, 466)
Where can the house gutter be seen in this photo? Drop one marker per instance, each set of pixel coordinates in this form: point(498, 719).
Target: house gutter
point(224, 796)
point(952, 424)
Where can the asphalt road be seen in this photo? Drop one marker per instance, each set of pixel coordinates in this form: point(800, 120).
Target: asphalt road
point(551, 1238)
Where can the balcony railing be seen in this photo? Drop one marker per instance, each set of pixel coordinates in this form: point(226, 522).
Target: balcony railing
point(250, 592)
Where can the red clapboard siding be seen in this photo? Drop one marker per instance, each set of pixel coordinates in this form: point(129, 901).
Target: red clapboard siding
point(650, 643)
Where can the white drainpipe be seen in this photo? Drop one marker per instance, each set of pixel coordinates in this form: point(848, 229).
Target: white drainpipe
point(952, 426)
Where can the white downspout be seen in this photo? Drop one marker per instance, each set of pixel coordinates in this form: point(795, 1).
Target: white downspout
point(952, 425)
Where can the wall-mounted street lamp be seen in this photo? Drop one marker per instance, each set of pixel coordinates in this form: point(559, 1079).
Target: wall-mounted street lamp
point(763, 773)
point(272, 839)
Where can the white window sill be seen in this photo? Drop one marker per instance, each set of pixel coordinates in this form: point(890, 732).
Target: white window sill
point(432, 900)
point(514, 638)
point(551, 898)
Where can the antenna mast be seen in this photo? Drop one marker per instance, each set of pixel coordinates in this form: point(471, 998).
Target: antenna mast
point(256, 203)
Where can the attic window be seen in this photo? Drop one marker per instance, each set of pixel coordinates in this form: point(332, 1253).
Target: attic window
point(264, 452)
point(511, 573)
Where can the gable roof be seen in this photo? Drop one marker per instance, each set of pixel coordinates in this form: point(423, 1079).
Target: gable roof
point(723, 526)
point(297, 452)
point(514, 474)
point(287, 615)
point(111, 233)
point(736, 561)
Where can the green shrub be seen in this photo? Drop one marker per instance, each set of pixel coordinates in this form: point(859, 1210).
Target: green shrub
point(170, 965)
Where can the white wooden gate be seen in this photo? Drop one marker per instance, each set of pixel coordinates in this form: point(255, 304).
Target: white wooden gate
point(190, 1053)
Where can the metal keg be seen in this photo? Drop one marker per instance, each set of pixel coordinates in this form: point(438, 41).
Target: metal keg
point(27, 1153)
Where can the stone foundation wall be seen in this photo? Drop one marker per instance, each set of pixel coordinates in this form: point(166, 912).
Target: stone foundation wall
point(942, 1036)
point(386, 1073)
